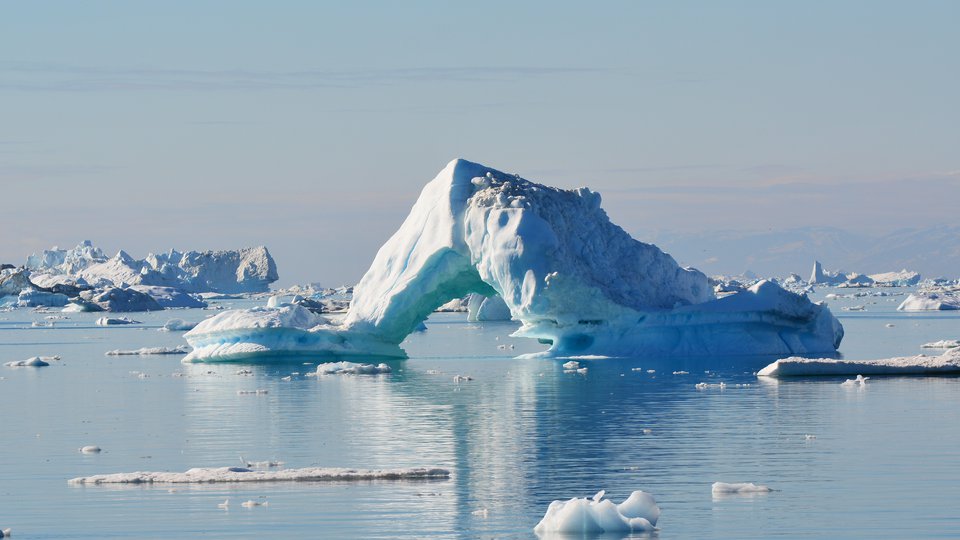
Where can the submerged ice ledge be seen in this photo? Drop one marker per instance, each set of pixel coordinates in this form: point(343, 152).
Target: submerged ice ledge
point(573, 279)
point(242, 474)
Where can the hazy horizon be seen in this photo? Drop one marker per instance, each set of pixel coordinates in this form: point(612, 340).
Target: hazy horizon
point(311, 128)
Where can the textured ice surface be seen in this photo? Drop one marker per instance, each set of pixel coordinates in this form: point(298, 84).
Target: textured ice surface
point(146, 351)
point(243, 474)
point(948, 362)
point(942, 344)
point(351, 368)
point(36, 361)
point(597, 515)
point(572, 278)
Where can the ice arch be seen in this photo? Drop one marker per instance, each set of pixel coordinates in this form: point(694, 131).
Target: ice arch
point(570, 276)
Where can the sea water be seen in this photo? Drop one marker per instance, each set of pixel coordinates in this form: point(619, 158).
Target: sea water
point(879, 461)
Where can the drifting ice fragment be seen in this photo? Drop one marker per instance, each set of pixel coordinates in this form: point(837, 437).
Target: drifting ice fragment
point(638, 513)
point(243, 474)
point(743, 487)
point(948, 362)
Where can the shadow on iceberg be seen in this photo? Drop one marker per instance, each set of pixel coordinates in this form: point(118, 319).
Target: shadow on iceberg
point(575, 281)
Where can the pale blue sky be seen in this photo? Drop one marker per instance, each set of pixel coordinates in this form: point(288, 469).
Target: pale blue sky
point(310, 127)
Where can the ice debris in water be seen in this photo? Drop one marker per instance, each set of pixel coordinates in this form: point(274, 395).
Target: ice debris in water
point(112, 321)
point(942, 344)
point(742, 487)
point(207, 475)
point(252, 503)
point(597, 515)
point(145, 351)
point(461, 378)
point(178, 325)
point(572, 364)
point(6, 533)
point(351, 368)
point(90, 449)
point(252, 392)
point(681, 372)
point(704, 386)
point(859, 381)
point(36, 361)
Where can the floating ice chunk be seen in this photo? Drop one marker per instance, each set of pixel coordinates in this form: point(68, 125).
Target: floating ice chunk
point(351, 368)
point(948, 362)
point(244, 474)
point(809, 437)
point(942, 344)
point(638, 513)
point(35, 361)
point(121, 300)
point(681, 372)
point(855, 308)
point(859, 381)
point(482, 512)
point(931, 301)
point(225, 504)
point(252, 503)
point(90, 449)
point(111, 321)
point(743, 487)
point(703, 385)
point(261, 464)
point(145, 351)
point(572, 364)
point(35, 298)
point(258, 392)
point(6, 533)
point(461, 378)
point(178, 325)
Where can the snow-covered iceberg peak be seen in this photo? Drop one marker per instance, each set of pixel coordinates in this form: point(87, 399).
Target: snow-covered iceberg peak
point(552, 255)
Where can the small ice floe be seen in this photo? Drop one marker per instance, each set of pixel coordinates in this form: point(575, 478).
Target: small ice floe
point(651, 371)
point(208, 475)
point(723, 488)
point(6, 533)
point(946, 363)
point(505, 347)
point(942, 344)
point(90, 449)
point(146, 351)
point(257, 392)
point(855, 308)
point(56, 317)
point(483, 512)
point(252, 503)
point(111, 321)
point(636, 369)
point(261, 464)
point(351, 368)
point(287, 378)
point(42, 324)
point(809, 437)
point(859, 381)
point(225, 505)
point(177, 325)
point(36, 361)
point(705, 386)
point(681, 372)
point(647, 431)
point(572, 364)
point(597, 515)
point(890, 325)
point(433, 372)
point(457, 379)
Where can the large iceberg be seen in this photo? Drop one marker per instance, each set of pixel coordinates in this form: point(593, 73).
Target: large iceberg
point(231, 271)
point(572, 278)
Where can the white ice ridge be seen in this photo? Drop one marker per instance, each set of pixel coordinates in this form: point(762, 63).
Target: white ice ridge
point(741, 487)
point(948, 362)
point(571, 277)
point(638, 513)
point(146, 351)
point(942, 344)
point(210, 475)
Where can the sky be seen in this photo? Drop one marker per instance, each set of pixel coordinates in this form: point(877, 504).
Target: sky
point(310, 127)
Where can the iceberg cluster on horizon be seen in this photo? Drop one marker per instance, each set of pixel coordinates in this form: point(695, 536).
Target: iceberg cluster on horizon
point(573, 279)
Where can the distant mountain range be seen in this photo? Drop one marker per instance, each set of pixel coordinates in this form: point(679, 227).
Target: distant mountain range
point(932, 251)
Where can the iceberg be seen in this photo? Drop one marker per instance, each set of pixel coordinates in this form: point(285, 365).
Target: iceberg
point(121, 300)
point(903, 278)
point(573, 279)
point(36, 298)
point(931, 301)
point(209, 475)
point(486, 308)
point(639, 513)
point(170, 297)
point(946, 363)
point(244, 270)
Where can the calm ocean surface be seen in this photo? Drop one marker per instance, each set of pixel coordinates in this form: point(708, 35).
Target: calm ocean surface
point(885, 462)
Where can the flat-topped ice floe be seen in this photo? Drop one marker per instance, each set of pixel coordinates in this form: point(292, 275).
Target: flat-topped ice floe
point(243, 474)
point(639, 513)
point(947, 363)
point(573, 279)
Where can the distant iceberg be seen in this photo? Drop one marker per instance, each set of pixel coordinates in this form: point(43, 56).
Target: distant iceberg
point(931, 301)
point(572, 278)
point(232, 271)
